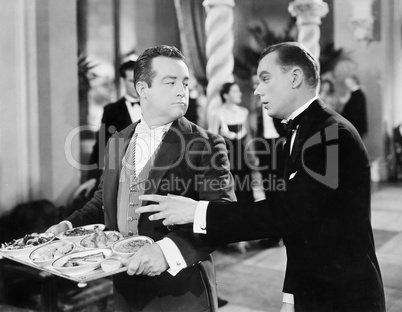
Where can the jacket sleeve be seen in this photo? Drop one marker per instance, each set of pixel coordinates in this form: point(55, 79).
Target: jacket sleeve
point(302, 198)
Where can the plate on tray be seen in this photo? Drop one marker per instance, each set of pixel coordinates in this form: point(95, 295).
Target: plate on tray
point(100, 239)
point(78, 233)
point(127, 247)
point(46, 254)
point(26, 244)
point(81, 262)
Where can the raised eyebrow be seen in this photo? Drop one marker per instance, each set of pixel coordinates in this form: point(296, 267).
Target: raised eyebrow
point(169, 77)
point(262, 74)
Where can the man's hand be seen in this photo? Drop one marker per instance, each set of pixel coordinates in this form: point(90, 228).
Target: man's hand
point(57, 228)
point(148, 260)
point(173, 209)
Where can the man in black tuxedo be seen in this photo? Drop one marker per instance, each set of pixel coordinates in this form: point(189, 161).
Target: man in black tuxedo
point(355, 108)
point(323, 213)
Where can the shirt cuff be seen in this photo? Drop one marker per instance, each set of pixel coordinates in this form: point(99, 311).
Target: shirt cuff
point(172, 255)
point(288, 298)
point(68, 223)
point(200, 218)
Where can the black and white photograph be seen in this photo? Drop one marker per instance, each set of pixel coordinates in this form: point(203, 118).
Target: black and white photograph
point(201, 156)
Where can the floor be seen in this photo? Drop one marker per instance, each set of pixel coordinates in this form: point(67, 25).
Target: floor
point(252, 281)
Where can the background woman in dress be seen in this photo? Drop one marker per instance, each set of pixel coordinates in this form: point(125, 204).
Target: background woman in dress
point(231, 121)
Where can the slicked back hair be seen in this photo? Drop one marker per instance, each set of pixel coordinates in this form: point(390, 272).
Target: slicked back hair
point(290, 54)
point(143, 70)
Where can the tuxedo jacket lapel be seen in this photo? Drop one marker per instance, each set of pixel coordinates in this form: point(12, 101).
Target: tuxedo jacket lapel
point(304, 132)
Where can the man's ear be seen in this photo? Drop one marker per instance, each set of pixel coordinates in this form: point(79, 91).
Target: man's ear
point(141, 87)
point(297, 77)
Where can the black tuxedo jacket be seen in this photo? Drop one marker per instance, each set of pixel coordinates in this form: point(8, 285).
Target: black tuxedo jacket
point(323, 215)
point(191, 162)
point(355, 111)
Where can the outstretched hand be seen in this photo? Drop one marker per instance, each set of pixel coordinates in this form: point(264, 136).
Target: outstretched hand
point(173, 209)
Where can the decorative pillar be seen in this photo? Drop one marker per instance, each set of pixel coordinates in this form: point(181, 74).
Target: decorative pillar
point(219, 49)
point(362, 20)
point(309, 14)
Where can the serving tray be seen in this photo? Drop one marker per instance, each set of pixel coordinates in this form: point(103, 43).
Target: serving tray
point(81, 279)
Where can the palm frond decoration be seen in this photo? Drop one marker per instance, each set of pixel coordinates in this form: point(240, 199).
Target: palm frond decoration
point(261, 36)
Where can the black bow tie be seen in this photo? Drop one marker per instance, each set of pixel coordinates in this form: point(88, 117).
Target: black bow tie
point(135, 103)
point(291, 125)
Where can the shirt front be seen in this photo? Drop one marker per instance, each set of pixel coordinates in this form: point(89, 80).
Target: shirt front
point(293, 115)
point(148, 140)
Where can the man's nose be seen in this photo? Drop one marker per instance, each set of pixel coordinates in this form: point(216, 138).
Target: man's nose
point(182, 91)
point(257, 91)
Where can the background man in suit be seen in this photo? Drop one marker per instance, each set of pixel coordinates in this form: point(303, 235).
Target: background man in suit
point(163, 153)
point(355, 108)
point(116, 116)
point(323, 214)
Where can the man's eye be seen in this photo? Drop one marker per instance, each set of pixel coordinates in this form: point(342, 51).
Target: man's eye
point(185, 84)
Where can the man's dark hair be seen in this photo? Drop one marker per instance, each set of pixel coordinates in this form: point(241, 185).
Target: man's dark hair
point(143, 66)
point(292, 54)
point(129, 65)
point(225, 90)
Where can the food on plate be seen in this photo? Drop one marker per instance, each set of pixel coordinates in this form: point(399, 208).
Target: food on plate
point(29, 240)
point(52, 251)
point(90, 259)
point(132, 246)
point(101, 239)
point(80, 231)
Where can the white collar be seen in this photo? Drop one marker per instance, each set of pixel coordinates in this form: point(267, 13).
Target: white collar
point(144, 125)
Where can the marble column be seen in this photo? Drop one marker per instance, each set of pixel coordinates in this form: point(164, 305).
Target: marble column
point(219, 48)
point(309, 14)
